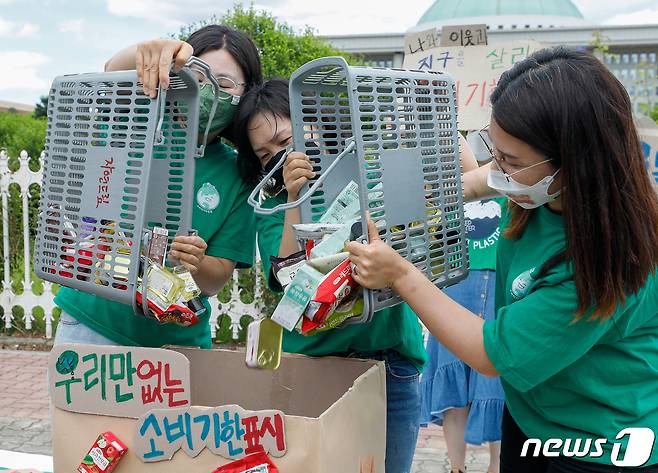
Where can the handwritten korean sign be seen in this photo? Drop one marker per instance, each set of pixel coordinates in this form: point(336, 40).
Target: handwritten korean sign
point(228, 431)
point(103, 194)
point(464, 35)
point(117, 381)
point(476, 70)
point(421, 41)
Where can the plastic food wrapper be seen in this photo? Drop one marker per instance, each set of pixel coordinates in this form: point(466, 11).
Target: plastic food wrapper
point(264, 339)
point(325, 264)
point(296, 297)
point(104, 454)
point(334, 243)
point(257, 462)
point(310, 234)
point(332, 290)
point(352, 306)
point(345, 207)
point(285, 268)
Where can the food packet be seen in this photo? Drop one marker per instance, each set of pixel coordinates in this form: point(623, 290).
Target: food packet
point(104, 454)
point(333, 288)
point(284, 269)
point(352, 306)
point(345, 207)
point(296, 297)
point(310, 234)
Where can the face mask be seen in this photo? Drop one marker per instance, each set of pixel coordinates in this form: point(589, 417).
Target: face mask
point(224, 113)
point(275, 184)
point(528, 197)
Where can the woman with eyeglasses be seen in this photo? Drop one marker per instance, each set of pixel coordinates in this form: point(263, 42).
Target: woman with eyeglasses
point(575, 338)
point(220, 213)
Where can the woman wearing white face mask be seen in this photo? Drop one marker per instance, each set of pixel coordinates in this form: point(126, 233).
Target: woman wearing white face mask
point(576, 329)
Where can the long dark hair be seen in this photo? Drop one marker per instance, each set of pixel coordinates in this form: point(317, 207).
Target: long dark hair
point(239, 46)
point(271, 97)
point(570, 108)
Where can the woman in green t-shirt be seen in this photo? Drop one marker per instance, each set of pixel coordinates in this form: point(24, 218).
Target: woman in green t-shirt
point(220, 214)
point(575, 339)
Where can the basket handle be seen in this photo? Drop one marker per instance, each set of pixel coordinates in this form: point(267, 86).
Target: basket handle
point(146, 238)
point(215, 86)
point(351, 144)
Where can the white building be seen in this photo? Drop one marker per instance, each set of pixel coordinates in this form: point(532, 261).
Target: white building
point(632, 54)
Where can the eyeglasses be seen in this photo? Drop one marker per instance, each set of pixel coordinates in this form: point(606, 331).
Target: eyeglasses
point(484, 136)
point(223, 81)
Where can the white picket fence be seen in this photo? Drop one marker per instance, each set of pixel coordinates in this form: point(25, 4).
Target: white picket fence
point(29, 300)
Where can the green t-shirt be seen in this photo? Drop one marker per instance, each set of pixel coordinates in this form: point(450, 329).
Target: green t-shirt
point(223, 219)
point(395, 329)
point(481, 221)
point(565, 379)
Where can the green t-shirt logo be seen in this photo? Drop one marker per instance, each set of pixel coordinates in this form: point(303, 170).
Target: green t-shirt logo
point(207, 197)
point(522, 283)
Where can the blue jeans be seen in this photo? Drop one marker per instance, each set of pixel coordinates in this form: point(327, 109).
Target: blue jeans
point(70, 330)
point(402, 408)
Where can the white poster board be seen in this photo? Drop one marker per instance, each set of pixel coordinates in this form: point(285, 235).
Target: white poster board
point(476, 70)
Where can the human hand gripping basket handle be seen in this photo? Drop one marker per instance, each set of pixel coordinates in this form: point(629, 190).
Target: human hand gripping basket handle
point(349, 147)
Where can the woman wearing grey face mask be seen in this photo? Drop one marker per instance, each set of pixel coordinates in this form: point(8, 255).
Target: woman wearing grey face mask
point(576, 329)
point(221, 215)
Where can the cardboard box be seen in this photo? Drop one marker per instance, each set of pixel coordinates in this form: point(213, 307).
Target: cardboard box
point(311, 415)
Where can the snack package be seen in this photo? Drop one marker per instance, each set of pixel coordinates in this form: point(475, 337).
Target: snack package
point(352, 306)
point(104, 454)
point(332, 290)
point(157, 250)
point(190, 289)
point(285, 269)
point(325, 264)
point(179, 313)
point(345, 207)
point(257, 462)
point(310, 234)
point(334, 243)
point(264, 339)
point(296, 297)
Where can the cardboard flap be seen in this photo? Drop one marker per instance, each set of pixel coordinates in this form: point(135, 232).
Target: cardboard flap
point(116, 380)
point(220, 377)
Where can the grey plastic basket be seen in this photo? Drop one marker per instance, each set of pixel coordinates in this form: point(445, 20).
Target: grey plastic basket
point(394, 132)
point(117, 163)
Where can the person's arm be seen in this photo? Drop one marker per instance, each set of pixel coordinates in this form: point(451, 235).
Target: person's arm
point(297, 170)
point(474, 184)
point(457, 328)
point(466, 156)
point(209, 272)
point(152, 60)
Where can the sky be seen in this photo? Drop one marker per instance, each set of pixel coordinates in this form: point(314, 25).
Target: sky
point(41, 39)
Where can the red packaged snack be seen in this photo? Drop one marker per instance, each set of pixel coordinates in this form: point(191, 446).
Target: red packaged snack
point(104, 454)
point(257, 462)
point(334, 287)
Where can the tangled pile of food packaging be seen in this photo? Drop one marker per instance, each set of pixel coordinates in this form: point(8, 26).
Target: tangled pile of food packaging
point(320, 293)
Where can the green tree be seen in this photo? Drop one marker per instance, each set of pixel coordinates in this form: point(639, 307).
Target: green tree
point(282, 48)
point(41, 108)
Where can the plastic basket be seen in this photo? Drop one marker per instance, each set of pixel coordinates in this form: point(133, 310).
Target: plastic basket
point(394, 132)
point(117, 163)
